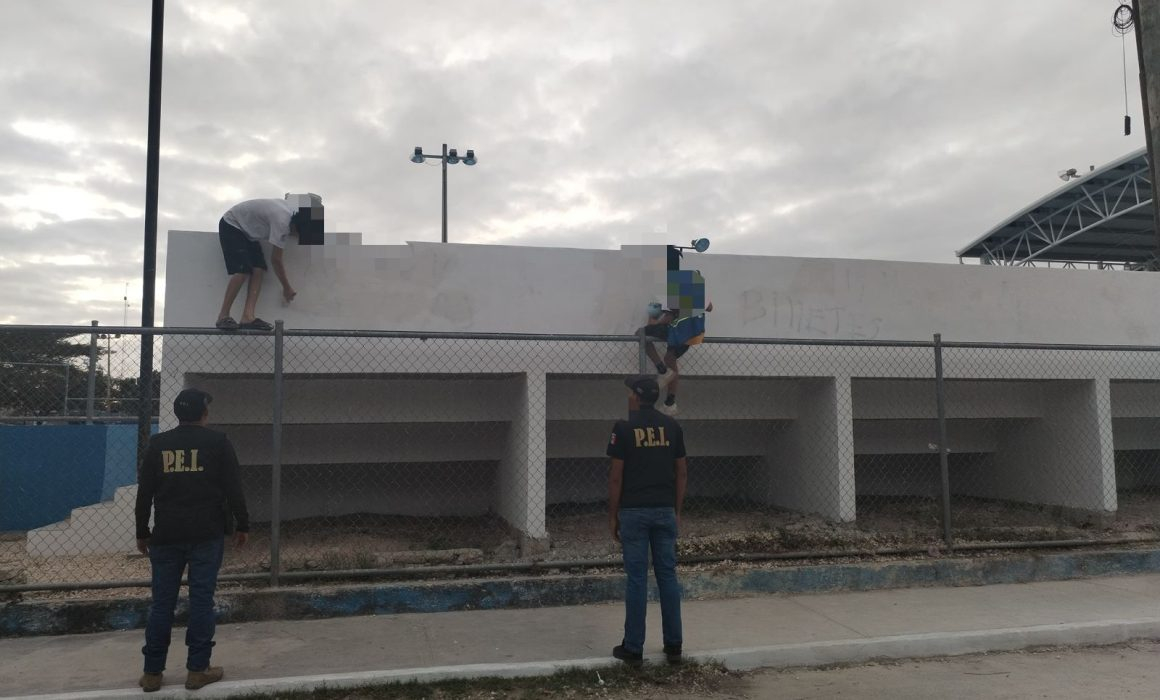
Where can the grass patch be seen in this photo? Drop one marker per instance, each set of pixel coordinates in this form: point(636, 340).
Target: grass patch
point(611, 682)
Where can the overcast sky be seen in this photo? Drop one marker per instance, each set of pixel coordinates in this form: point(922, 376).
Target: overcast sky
point(888, 129)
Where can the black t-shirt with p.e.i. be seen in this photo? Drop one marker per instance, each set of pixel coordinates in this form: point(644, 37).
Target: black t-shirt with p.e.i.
point(191, 481)
point(649, 442)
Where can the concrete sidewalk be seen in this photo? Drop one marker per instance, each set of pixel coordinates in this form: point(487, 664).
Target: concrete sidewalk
point(743, 633)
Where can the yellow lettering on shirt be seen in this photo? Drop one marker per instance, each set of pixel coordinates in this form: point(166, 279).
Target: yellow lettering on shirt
point(650, 437)
point(173, 461)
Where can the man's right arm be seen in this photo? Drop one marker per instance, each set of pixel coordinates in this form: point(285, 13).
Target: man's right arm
point(288, 292)
point(146, 488)
point(617, 451)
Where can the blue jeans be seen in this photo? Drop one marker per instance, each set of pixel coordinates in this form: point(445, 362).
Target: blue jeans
point(642, 530)
point(169, 561)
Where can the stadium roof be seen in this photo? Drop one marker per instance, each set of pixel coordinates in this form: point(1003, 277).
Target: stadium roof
point(1102, 217)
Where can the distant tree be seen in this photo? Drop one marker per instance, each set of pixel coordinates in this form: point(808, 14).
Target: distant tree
point(35, 367)
point(128, 390)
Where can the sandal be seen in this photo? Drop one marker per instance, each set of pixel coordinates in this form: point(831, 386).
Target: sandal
point(226, 324)
point(256, 325)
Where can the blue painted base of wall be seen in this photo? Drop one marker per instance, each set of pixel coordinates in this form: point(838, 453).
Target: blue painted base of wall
point(48, 470)
point(69, 617)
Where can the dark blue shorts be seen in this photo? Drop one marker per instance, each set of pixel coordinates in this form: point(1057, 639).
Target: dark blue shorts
point(242, 255)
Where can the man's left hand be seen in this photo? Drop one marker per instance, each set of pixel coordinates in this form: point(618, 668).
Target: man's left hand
point(614, 526)
point(143, 546)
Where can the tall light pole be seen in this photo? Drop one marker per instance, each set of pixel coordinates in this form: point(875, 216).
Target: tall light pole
point(149, 276)
point(447, 157)
point(1144, 16)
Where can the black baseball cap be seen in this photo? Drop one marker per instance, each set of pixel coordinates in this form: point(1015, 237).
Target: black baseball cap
point(190, 405)
point(645, 387)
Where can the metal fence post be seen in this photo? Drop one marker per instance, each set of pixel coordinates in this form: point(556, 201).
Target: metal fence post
point(641, 340)
point(66, 367)
point(276, 461)
point(90, 395)
point(944, 469)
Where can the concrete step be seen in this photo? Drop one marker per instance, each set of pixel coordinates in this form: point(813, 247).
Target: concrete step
point(105, 527)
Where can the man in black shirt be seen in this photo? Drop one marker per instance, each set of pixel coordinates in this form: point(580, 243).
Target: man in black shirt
point(188, 477)
point(646, 489)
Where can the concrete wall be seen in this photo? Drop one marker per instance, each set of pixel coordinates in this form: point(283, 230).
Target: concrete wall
point(460, 287)
point(432, 489)
point(120, 458)
point(1062, 458)
point(522, 482)
point(809, 467)
point(783, 424)
point(48, 470)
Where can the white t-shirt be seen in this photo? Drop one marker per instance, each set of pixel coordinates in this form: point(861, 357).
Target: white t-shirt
point(262, 219)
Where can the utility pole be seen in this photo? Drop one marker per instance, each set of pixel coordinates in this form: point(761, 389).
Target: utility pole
point(1146, 17)
point(149, 277)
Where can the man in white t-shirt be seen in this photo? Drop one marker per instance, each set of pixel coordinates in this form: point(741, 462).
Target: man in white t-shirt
point(242, 231)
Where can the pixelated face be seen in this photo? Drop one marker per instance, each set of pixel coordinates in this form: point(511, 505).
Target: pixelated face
point(310, 218)
point(671, 288)
point(686, 292)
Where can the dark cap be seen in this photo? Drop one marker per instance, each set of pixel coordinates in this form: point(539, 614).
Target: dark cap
point(190, 405)
point(645, 387)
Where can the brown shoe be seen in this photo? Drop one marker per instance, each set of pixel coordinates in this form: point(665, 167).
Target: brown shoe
point(200, 679)
point(150, 682)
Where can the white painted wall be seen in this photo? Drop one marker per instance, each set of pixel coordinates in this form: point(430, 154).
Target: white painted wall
point(1062, 458)
point(521, 486)
point(377, 425)
point(534, 415)
point(810, 466)
point(461, 287)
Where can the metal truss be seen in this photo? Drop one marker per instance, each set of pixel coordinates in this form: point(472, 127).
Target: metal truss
point(1094, 207)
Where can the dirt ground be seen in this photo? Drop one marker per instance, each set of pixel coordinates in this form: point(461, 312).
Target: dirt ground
point(709, 529)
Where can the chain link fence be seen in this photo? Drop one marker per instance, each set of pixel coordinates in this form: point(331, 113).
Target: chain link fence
point(369, 453)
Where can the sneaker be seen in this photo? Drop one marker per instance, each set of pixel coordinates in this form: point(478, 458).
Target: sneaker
point(628, 657)
point(665, 378)
point(673, 654)
point(226, 324)
point(670, 409)
point(200, 679)
point(150, 682)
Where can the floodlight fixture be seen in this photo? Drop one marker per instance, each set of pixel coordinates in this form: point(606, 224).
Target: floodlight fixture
point(446, 157)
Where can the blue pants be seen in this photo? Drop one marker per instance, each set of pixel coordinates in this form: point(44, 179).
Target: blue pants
point(204, 559)
point(642, 530)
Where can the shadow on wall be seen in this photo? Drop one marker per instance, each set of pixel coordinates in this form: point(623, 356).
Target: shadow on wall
point(48, 470)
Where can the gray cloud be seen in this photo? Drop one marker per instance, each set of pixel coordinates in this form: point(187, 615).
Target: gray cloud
point(839, 128)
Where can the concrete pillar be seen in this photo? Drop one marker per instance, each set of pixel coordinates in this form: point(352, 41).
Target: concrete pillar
point(1106, 448)
point(521, 484)
point(810, 465)
point(1063, 458)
